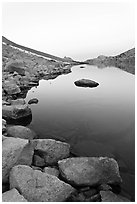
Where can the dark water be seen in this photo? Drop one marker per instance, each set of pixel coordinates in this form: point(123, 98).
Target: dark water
point(95, 121)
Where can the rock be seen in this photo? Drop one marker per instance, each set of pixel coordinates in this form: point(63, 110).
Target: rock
point(51, 171)
point(86, 83)
point(36, 168)
point(3, 125)
point(13, 196)
point(90, 193)
point(19, 101)
point(15, 66)
point(32, 101)
point(11, 88)
point(16, 112)
point(21, 132)
point(90, 148)
point(4, 138)
point(38, 161)
point(94, 198)
point(104, 187)
point(6, 103)
point(90, 171)
point(15, 151)
point(37, 186)
point(51, 150)
point(108, 196)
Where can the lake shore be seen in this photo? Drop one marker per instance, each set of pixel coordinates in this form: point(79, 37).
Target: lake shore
point(21, 72)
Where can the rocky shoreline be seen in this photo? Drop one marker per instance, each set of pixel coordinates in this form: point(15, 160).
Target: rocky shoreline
point(44, 170)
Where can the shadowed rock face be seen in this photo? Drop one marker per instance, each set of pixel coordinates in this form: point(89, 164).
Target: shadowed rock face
point(86, 83)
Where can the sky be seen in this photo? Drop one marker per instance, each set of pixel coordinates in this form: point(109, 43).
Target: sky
point(80, 30)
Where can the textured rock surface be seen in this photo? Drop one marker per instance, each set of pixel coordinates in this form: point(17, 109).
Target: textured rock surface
point(19, 101)
point(15, 151)
point(21, 132)
point(11, 88)
point(13, 196)
point(108, 196)
point(86, 83)
point(51, 150)
point(15, 111)
point(51, 171)
point(37, 186)
point(90, 171)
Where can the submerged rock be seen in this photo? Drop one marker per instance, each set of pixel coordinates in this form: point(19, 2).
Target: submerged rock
point(32, 101)
point(90, 171)
point(16, 112)
point(37, 186)
point(21, 132)
point(13, 196)
point(15, 151)
point(86, 83)
point(109, 196)
point(51, 150)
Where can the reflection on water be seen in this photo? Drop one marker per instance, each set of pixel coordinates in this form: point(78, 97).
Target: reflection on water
point(95, 121)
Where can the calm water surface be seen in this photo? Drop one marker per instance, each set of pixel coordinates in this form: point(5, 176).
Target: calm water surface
point(95, 121)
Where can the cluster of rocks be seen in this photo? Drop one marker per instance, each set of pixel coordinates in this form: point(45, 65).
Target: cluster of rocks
point(44, 170)
point(21, 71)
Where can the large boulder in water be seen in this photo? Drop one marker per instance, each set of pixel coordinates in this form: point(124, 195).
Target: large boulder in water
point(16, 112)
point(15, 151)
point(51, 150)
point(37, 186)
point(108, 196)
point(21, 132)
point(86, 83)
point(90, 171)
point(13, 196)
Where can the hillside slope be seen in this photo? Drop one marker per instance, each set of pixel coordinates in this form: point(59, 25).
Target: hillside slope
point(124, 61)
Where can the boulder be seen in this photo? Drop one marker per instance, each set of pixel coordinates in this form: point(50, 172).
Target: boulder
point(51, 170)
point(21, 132)
point(109, 196)
point(6, 103)
point(15, 66)
point(11, 88)
point(16, 112)
point(13, 196)
point(33, 100)
point(15, 151)
point(51, 150)
point(38, 161)
point(90, 171)
point(37, 186)
point(86, 83)
point(19, 101)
